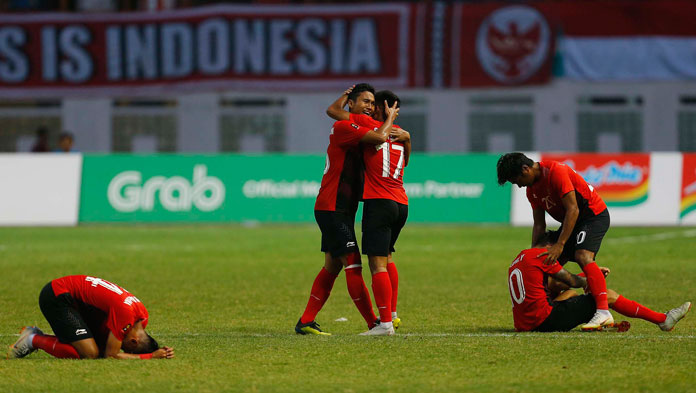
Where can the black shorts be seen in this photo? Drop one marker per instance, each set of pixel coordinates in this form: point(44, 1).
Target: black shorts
point(382, 222)
point(337, 232)
point(70, 319)
point(587, 235)
point(568, 314)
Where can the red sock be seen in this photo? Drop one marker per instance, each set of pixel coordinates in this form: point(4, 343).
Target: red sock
point(394, 279)
point(381, 288)
point(360, 295)
point(633, 309)
point(51, 345)
point(597, 284)
point(321, 289)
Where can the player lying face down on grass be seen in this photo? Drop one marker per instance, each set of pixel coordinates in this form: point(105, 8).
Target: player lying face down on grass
point(534, 308)
point(91, 318)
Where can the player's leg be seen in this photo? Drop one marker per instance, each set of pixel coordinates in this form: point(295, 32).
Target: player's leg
point(586, 241)
point(357, 289)
point(633, 309)
point(62, 314)
point(378, 215)
point(568, 314)
point(324, 281)
point(391, 266)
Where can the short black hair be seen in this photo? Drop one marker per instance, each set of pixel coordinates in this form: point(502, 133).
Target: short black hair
point(359, 89)
point(548, 237)
point(149, 345)
point(510, 166)
point(66, 134)
point(387, 95)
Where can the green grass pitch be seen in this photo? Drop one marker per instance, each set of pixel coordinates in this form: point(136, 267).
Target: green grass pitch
point(227, 298)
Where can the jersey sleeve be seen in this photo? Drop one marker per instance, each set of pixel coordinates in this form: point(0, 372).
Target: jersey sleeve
point(119, 322)
point(347, 133)
point(364, 120)
point(552, 268)
point(560, 180)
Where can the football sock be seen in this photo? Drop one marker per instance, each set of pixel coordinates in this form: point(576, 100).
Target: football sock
point(394, 279)
point(381, 288)
point(634, 309)
point(597, 284)
point(321, 289)
point(359, 293)
point(52, 346)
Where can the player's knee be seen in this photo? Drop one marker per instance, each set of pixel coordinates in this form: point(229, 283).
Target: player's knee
point(88, 353)
point(612, 296)
point(584, 257)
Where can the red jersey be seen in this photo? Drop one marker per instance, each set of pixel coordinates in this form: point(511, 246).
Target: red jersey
point(122, 309)
point(558, 179)
point(341, 184)
point(527, 283)
point(384, 166)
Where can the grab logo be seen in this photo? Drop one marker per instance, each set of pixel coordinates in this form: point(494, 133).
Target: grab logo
point(128, 193)
point(513, 43)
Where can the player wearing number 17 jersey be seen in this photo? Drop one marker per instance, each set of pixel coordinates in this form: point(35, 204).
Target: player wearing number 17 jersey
point(385, 210)
point(90, 317)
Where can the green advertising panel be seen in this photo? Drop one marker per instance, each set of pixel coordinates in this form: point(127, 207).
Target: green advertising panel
point(273, 188)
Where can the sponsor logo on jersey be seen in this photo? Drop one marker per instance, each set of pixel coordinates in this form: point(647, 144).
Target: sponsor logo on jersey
point(513, 43)
point(127, 192)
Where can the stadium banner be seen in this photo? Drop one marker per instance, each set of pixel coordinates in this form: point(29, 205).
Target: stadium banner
point(639, 188)
point(272, 188)
point(40, 189)
point(687, 208)
point(205, 48)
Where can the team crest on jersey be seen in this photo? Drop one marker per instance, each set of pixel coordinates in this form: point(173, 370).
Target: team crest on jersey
point(355, 125)
point(125, 329)
point(513, 43)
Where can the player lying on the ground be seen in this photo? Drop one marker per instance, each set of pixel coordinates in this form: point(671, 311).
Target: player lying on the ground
point(90, 317)
point(532, 310)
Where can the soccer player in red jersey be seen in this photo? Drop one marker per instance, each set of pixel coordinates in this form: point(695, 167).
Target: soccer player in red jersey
point(534, 310)
point(335, 209)
point(90, 317)
point(555, 188)
point(396, 134)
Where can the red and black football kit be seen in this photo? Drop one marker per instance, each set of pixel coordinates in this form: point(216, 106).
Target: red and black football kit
point(385, 204)
point(532, 308)
point(558, 179)
point(81, 307)
point(340, 190)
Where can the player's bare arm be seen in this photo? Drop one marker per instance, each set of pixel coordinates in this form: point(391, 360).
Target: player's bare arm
point(114, 345)
point(571, 216)
point(539, 227)
point(381, 135)
point(336, 111)
point(570, 279)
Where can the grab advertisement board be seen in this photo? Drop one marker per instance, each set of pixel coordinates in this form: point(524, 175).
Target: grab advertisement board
point(272, 188)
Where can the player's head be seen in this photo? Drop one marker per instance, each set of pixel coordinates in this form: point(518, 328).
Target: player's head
point(390, 98)
point(138, 341)
point(516, 168)
point(361, 99)
point(546, 239)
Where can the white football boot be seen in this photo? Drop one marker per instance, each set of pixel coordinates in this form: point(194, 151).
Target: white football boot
point(600, 320)
point(382, 329)
point(673, 316)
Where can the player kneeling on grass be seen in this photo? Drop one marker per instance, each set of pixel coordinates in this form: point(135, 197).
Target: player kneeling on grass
point(533, 311)
point(91, 318)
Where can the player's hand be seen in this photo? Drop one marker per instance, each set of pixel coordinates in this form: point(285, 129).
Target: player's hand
point(392, 111)
point(605, 270)
point(348, 90)
point(552, 254)
point(163, 353)
point(399, 135)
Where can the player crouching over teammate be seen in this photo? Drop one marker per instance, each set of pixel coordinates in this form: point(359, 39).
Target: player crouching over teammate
point(532, 310)
point(91, 317)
